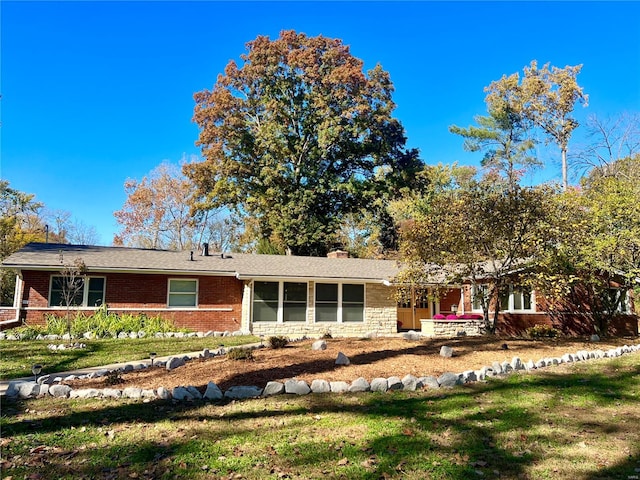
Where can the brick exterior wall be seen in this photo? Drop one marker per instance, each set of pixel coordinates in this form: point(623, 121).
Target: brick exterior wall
point(224, 303)
point(219, 299)
point(516, 324)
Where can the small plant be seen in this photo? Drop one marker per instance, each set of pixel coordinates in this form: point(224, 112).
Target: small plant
point(113, 378)
point(240, 354)
point(327, 335)
point(542, 331)
point(278, 342)
point(28, 332)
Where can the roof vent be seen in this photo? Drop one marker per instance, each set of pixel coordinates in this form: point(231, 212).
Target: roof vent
point(191, 256)
point(205, 249)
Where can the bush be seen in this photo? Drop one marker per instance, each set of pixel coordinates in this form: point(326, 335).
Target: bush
point(114, 378)
point(105, 324)
point(542, 331)
point(278, 342)
point(28, 332)
point(240, 354)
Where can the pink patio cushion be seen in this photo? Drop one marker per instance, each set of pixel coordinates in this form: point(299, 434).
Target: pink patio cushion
point(438, 316)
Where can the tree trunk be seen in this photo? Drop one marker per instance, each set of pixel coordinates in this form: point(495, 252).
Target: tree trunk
point(565, 181)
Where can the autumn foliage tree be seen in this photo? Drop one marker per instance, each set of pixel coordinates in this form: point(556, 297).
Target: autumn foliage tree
point(20, 223)
point(297, 137)
point(551, 94)
point(157, 214)
point(595, 258)
point(479, 234)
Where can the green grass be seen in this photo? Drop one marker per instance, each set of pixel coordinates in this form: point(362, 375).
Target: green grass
point(577, 422)
point(17, 357)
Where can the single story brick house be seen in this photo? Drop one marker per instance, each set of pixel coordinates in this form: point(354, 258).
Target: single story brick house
point(261, 294)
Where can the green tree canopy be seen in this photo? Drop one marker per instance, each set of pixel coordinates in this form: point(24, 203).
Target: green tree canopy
point(505, 135)
point(297, 136)
point(480, 233)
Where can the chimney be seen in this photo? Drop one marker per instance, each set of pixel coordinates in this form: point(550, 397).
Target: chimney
point(205, 249)
point(338, 254)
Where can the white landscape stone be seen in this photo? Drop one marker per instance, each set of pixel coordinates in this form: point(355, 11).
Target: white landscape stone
point(449, 379)
point(319, 345)
point(296, 387)
point(342, 359)
point(181, 393)
point(174, 362)
point(409, 383)
point(213, 392)
point(320, 386)
point(59, 391)
point(379, 384)
point(242, 392)
point(359, 385)
point(195, 393)
point(395, 383)
point(273, 388)
point(339, 387)
point(446, 351)
point(430, 381)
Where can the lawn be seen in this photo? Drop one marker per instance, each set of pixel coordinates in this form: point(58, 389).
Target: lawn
point(17, 357)
point(576, 421)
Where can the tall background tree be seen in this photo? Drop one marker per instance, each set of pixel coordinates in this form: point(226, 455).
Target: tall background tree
point(505, 135)
point(550, 95)
point(157, 214)
point(609, 139)
point(298, 137)
point(24, 220)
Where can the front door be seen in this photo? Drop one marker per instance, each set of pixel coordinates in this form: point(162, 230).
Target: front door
point(414, 307)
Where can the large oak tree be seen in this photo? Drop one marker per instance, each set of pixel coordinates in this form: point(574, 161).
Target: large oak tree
point(298, 137)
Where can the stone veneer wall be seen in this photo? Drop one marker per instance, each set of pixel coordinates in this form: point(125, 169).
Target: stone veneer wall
point(451, 328)
point(380, 317)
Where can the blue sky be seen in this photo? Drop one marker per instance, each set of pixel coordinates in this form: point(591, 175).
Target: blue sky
point(94, 93)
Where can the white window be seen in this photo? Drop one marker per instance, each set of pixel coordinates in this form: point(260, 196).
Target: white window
point(479, 294)
point(183, 292)
point(616, 301)
point(79, 292)
point(279, 301)
point(518, 299)
point(339, 302)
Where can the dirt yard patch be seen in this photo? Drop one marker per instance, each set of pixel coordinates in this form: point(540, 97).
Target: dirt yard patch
point(370, 358)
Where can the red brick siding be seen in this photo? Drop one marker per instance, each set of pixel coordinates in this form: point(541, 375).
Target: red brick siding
point(452, 297)
point(511, 324)
point(148, 292)
point(7, 314)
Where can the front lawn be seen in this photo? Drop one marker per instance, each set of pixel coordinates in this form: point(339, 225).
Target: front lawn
point(577, 421)
point(17, 357)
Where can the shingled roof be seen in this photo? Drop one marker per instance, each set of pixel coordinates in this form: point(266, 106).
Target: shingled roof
point(48, 256)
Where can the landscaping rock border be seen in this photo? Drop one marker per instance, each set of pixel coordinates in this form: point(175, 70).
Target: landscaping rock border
point(47, 386)
point(129, 335)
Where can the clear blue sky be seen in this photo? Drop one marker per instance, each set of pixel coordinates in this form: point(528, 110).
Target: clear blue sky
point(94, 93)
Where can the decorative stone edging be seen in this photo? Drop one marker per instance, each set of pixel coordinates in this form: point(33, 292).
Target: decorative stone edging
point(129, 335)
point(23, 390)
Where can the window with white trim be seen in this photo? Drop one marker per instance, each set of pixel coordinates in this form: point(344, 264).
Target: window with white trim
point(183, 293)
point(518, 299)
point(339, 302)
point(87, 291)
point(279, 301)
point(616, 301)
point(478, 294)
